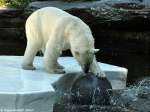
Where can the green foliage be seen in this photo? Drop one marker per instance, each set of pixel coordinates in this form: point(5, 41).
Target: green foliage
point(14, 3)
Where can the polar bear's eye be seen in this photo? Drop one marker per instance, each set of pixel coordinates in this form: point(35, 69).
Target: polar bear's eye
point(77, 53)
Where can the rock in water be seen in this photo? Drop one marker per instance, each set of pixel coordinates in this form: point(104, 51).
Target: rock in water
point(90, 89)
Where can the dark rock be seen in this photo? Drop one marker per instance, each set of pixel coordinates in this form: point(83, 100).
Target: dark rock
point(70, 78)
point(67, 102)
point(62, 4)
point(12, 18)
point(89, 89)
point(12, 22)
point(10, 12)
point(63, 89)
point(12, 34)
point(86, 108)
point(102, 12)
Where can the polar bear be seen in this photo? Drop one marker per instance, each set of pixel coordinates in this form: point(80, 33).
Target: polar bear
point(53, 30)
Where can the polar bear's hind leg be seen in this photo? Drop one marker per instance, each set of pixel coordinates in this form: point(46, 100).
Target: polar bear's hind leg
point(28, 58)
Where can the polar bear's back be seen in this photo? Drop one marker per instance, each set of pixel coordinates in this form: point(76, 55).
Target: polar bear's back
point(48, 15)
point(41, 23)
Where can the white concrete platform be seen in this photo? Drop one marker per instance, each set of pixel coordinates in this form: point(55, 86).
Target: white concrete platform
point(32, 91)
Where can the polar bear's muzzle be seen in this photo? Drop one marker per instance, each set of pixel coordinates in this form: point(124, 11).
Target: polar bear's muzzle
point(87, 61)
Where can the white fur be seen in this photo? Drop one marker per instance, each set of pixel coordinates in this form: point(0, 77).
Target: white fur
point(53, 30)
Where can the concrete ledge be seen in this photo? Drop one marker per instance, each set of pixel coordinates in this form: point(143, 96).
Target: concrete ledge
point(24, 89)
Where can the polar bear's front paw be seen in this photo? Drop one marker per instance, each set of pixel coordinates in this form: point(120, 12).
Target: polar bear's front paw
point(59, 71)
point(59, 66)
point(55, 71)
point(28, 67)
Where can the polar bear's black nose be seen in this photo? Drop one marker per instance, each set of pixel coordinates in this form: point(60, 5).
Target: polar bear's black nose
point(86, 68)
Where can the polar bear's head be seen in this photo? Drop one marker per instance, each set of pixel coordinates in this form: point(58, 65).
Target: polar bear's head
point(84, 57)
point(82, 44)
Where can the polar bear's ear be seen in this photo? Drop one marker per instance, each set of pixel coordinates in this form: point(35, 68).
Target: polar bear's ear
point(95, 50)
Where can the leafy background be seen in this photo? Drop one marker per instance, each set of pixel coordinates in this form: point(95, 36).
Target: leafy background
point(14, 3)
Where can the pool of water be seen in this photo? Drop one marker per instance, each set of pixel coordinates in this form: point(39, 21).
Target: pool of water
point(138, 65)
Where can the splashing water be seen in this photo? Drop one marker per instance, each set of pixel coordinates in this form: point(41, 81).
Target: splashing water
point(140, 85)
point(135, 98)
